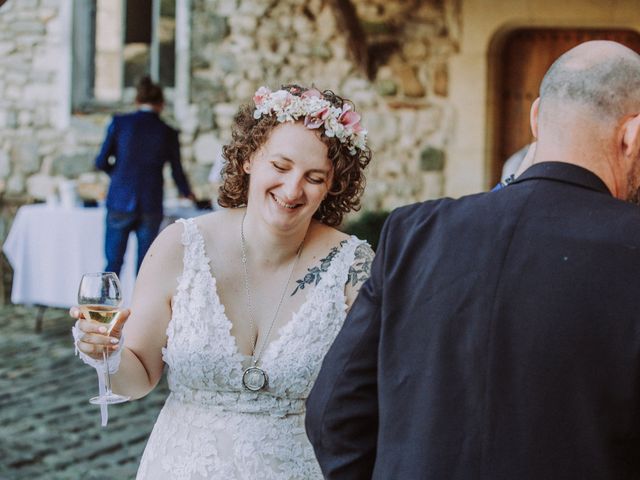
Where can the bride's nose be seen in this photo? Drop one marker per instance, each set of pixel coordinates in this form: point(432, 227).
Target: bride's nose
point(292, 188)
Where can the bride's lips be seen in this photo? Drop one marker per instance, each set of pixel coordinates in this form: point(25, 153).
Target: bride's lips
point(283, 204)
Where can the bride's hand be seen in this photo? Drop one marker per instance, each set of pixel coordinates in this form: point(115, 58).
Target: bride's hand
point(94, 337)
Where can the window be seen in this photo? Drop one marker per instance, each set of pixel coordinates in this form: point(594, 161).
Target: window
point(117, 42)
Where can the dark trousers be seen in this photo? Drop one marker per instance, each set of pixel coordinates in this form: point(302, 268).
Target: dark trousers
point(119, 226)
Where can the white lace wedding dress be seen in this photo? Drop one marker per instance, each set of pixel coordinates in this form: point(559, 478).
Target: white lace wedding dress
point(210, 427)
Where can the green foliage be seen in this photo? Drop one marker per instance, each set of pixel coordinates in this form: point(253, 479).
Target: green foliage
point(367, 226)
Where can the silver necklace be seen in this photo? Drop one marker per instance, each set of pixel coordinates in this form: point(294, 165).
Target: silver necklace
point(255, 378)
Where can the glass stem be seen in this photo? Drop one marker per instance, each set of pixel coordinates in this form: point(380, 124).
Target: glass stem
point(107, 377)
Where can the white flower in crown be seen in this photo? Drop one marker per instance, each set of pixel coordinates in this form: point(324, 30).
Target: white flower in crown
point(341, 123)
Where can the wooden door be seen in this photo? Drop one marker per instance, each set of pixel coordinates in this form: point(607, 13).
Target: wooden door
point(526, 56)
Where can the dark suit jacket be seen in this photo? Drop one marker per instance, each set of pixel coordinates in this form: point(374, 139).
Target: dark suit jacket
point(497, 338)
point(141, 144)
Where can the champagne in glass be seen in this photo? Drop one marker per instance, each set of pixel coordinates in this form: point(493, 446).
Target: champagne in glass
point(101, 313)
point(99, 299)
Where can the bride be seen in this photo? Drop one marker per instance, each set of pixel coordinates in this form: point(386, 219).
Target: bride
point(242, 304)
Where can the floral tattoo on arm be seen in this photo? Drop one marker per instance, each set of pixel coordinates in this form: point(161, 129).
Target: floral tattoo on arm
point(315, 273)
point(358, 272)
point(360, 269)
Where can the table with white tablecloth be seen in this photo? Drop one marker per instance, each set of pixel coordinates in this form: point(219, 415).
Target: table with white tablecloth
point(50, 247)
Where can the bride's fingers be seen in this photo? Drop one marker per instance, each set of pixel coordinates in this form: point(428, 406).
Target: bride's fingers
point(93, 350)
point(90, 326)
point(98, 339)
point(74, 312)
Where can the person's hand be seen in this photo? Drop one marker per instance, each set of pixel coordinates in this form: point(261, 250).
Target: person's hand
point(95, 337)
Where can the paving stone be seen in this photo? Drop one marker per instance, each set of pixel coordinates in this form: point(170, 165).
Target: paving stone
point(48, 429)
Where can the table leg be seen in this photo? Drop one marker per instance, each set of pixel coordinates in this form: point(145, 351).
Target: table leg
point(39, 317)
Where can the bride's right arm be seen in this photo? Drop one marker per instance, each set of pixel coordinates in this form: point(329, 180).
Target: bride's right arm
point(144, 332)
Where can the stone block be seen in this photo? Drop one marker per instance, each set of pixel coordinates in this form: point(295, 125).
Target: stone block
point(217, 28)
point(46, 59)
point(441, 80)
point(15, 183)
point(226, 62)
point(321, 51)
point(25, 118)
point(243, 46)
point(244, 90)
point(243, 24)
point(415, 50)
point(409, 82)
point(205, 117)
point(224, 114)
point(73, 164)
point(432, 159)
point(8, 118)
point(386, 87)
point(27, 27)
point(433, 185)
point(5, 164)
point(25, 156)
point(206, 148)
point(6, 48)
point(13, 92)
point(227, 7)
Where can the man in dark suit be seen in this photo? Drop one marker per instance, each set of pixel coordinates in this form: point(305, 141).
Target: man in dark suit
point(141, 144)
point(499, 334)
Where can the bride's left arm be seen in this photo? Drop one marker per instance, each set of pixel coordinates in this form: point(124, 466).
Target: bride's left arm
point(358, 272)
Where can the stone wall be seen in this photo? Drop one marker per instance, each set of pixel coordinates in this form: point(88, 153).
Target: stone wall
point(239, 45)
point(236, 46)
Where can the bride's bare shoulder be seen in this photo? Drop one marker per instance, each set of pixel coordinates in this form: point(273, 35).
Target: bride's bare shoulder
point(326, 235)
point(217, 224)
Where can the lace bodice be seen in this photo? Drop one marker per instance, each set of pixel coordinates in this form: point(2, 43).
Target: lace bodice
point(210, 426)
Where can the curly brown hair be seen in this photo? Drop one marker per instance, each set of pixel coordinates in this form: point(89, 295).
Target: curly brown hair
point(249, 134)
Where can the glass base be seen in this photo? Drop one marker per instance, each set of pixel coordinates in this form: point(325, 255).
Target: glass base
point(109, 399)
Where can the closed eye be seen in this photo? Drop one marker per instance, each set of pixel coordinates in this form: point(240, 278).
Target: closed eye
point(315, 181)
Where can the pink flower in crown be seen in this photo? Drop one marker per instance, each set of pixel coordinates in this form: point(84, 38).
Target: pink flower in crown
point(312, 93)
point(350, 119)
point(281, 98)
point(316, 119)
point(261, 94)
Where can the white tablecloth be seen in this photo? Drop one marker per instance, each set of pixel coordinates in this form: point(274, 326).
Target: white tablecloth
point(51, 247)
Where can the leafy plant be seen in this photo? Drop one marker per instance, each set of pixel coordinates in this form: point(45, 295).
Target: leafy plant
point(367, 226)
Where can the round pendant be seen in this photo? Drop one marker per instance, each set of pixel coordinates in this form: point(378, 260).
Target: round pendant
point(254, 379)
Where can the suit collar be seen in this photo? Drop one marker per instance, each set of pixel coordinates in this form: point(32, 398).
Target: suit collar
point(564, 172)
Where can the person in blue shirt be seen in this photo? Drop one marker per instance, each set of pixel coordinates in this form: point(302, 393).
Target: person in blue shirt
point(134, 152)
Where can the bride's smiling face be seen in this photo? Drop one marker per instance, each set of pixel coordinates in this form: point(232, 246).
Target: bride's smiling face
point(290, 175)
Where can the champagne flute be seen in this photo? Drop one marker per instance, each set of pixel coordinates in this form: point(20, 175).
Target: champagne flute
point(99, 296)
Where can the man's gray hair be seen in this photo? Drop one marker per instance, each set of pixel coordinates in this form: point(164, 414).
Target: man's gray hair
point(608, 84)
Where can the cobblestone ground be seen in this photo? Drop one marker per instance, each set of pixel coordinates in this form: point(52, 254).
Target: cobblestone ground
point(48, 429)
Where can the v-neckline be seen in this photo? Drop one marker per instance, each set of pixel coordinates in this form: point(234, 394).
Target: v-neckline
point(283, 329)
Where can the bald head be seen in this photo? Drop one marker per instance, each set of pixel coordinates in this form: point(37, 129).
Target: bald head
point(588, 114)
point(602, 76)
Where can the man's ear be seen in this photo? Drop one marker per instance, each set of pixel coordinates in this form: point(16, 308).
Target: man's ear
point(631, 137)
point(533, 117)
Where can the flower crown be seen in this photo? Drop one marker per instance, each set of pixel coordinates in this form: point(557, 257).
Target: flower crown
point(342, 123)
